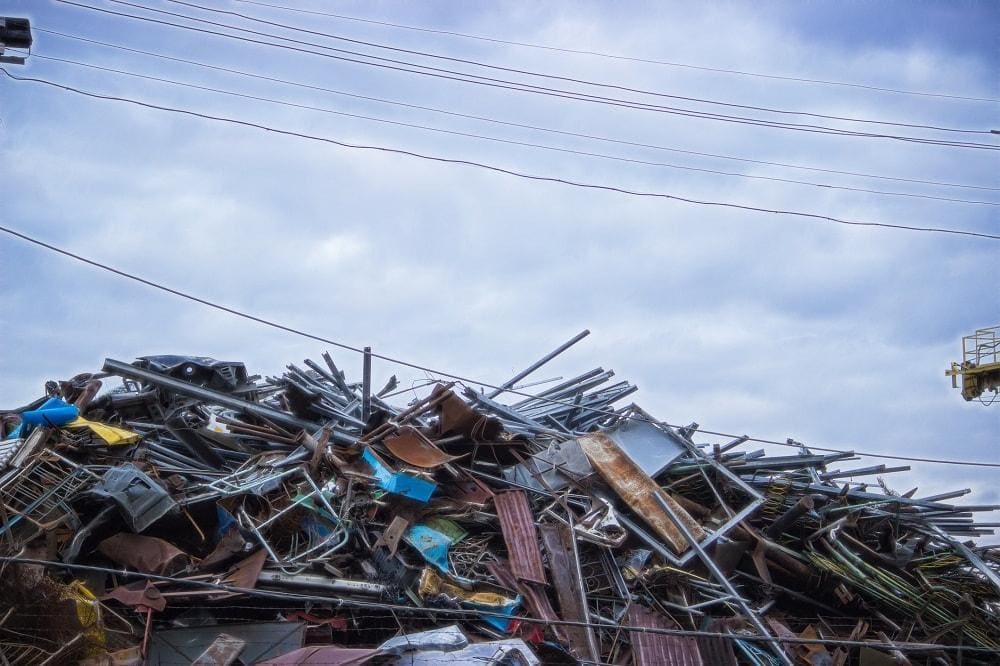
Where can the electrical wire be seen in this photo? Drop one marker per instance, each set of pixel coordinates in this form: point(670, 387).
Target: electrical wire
point(441, 373)
point(502, 170)
point(505, 122)
point(464, 77)
point(612, 56)
point(342, 602)
point(556, 77)
point(484, 137)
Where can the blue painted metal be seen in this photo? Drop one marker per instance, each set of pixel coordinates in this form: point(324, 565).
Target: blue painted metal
point(398, 483)
point(433, 545)
point(53, 412)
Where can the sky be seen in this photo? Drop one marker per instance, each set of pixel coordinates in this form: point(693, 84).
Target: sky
point(750, 323)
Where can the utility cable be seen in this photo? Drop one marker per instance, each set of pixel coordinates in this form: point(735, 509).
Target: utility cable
point(514, 142)
point(496, 121)
point(497, 169)
point(440, 373)
point(568, 79)
point(464, 77)
point(342, 602)
point(612, 56)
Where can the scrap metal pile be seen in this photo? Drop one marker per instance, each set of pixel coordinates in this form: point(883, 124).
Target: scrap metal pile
point(192, 514)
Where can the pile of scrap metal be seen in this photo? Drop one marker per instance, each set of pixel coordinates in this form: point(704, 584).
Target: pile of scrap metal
point(193, 514)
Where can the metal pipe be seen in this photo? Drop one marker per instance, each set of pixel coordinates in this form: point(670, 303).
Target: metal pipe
point(207, 395)
point(537, 364)
point(366, 385)
point(721, 577)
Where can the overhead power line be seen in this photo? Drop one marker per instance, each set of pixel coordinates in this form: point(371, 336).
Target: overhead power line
point(465, 77)
point(612, 56)
point(497, 169)
point(557, 77)
point(637, 144)
point(441, 373)
point(514, 142)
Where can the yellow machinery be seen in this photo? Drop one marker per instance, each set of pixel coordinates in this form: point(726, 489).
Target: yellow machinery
point(980, 366)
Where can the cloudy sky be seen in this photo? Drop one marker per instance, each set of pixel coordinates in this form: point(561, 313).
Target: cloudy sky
point(744, 322)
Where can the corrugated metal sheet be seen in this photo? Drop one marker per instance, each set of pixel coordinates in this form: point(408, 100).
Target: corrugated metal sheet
point(716, 651)
point(660, 649)
point(518, 525)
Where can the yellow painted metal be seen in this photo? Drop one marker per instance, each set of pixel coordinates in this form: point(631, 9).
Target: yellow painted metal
point(111, 435)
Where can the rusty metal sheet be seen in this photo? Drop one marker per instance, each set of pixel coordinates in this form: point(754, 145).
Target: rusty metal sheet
point(518, 525)
point(143, 593)
point(638, 490)
point(558, 546)
point(393, 534)
point(143, 553)
point(457, 417)
point(470, 490)
point(535, 599)
point(716, 650)
point(224, 651)
point(414, 449)
point(245, 572)
point(650, 649)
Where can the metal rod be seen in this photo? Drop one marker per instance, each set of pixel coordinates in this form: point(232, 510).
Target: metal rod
point(537, 364)
point(721, 577)
point(207, 395)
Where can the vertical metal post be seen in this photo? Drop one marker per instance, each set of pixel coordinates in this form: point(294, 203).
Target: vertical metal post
point(366, 386)
point(595, 652)
point(721, 577)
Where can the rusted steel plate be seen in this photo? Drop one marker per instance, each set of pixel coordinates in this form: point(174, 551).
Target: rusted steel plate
point(649, 649)
point(143, 593)
point(535, 599)
point(457, 417)
point(393, 533)
point(558, 547)
point(146, 554)
point(519, 533)
point(414, 449)
point(638, 490)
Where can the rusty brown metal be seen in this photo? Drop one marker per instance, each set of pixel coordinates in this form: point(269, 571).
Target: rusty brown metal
point(223, 651)
point(393, 534)
point(146, 554)
point(457, 417)
point(572, 605)
point(716, 651)
point(231, 543)
point(143, 593)
point(534, 596)
point(470, 491)
point(638, 490)
point(518, 526)
point(410, 446)
point(649, 649)
point(245, 572)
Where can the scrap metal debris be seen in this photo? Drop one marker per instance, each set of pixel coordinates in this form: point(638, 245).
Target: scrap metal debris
point(178, 510)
